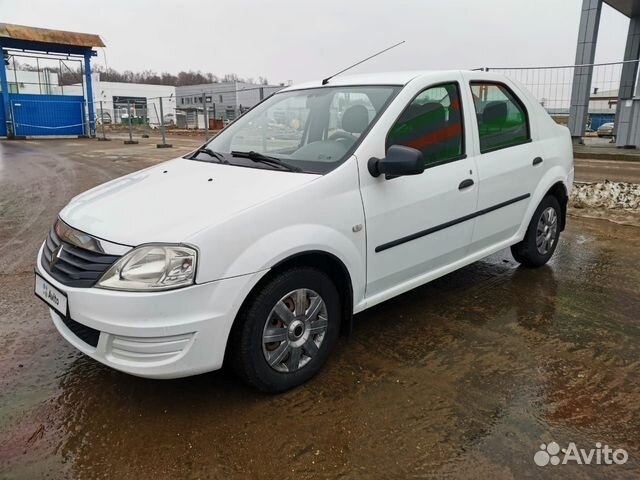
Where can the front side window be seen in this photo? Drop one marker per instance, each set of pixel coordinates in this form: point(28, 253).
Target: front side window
point(502, 118)
point(432, 123)
point(313, 129)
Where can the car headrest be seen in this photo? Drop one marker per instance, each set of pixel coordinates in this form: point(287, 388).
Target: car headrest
point(355, 119)
point(494, 112)
point(433, 112)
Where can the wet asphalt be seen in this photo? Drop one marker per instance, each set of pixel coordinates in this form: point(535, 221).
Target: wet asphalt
point(462, 378)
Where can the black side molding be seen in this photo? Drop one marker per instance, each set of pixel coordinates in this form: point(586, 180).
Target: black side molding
point(437, 228)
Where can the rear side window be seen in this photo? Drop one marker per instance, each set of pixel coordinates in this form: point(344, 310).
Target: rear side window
point(502, 118)
point(432, 123)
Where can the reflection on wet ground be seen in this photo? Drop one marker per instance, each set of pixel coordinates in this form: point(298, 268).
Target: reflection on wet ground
point(462, 378)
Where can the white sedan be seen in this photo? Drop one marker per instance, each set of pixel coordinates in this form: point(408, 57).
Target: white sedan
point(320, 202)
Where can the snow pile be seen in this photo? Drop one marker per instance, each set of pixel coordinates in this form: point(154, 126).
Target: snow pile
point(618, 195)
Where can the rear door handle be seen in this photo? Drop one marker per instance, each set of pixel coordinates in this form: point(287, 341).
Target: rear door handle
point(537, 161)
point(465, 184)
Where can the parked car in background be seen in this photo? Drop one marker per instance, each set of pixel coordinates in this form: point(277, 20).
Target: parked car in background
point(258, 247)
point(605, 130)
point(103, 118)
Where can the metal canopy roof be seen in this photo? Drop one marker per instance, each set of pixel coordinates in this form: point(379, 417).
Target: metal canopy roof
point(47, 36)
point(630, 8)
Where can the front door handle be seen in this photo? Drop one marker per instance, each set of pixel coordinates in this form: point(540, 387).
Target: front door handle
point(465, 184)
point(537, 161)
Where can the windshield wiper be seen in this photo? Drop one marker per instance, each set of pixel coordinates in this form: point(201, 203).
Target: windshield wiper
point(259, 157)
point(211, 153)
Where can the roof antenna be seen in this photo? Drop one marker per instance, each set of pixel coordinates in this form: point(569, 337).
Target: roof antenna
point(326, 80)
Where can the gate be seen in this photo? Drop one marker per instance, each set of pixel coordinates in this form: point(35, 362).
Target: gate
point(47, 114)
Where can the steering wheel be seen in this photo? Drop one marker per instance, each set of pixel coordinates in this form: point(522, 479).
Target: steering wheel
point(341, 136)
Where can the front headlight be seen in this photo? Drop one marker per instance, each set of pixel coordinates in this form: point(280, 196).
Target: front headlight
point(151, 268)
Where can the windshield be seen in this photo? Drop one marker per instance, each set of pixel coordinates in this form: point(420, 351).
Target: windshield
point(314, 129)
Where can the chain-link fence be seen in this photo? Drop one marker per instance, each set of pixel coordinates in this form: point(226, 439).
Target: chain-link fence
point(197, 115)
point(552, 86)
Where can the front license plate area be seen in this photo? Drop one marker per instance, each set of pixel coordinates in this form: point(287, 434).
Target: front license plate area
point(52, 296)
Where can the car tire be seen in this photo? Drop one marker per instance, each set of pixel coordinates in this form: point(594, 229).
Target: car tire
point(542, 235)
point(303, 336)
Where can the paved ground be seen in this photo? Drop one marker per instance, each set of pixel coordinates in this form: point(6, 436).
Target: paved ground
point(464, 377)
point(603, 149)
point(597, 170)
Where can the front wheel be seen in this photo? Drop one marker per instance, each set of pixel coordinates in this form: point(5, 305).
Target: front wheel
point(541, 238)
point(286, 331)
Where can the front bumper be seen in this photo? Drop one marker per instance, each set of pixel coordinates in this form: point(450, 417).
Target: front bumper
point(168, 334)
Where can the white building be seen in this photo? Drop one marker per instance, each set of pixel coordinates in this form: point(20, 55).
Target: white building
point(603, 101)
point(140, 98)
point(223, 100)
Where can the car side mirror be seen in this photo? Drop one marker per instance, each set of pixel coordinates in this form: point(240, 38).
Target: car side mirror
point(399, 161)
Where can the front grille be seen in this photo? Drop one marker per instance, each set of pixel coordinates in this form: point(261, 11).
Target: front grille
point(71, 265)
point(87, 334)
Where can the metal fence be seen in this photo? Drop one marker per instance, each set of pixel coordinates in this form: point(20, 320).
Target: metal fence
point(199, 114)
point(203, 112)
point(552, 86)
point(157, 116)
point(52, 74)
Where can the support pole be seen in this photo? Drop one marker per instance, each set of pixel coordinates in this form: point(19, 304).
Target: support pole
point(205, 116)
point(85, 120)
point(626, 108)
point(585, 55)
point(5, 95)
point(164, 143)
point(87, 74)
point(131, 141)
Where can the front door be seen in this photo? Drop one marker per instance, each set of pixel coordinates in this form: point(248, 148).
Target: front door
point(416, 224)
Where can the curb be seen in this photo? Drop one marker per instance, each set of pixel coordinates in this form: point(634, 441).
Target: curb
point(622, 157)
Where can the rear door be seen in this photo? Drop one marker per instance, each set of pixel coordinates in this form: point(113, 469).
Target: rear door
point(509, 162)
point(415, 224)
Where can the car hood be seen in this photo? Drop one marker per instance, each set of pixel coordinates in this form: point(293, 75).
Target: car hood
point(173, 200)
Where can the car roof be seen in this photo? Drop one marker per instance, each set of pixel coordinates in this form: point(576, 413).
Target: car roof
point(383, 78)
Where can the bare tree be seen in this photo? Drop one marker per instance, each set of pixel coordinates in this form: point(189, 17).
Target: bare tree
point(69, 76)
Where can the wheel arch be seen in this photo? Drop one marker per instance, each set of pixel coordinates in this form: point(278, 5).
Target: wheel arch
point(321, 260)
point(559, 190)
point(552, 183)
point(334, 268)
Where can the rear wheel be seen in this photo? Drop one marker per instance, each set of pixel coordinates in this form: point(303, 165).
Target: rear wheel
point(286, 331)
point(541, 238)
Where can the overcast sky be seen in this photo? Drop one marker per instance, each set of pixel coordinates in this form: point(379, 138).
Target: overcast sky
point(299, 40)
